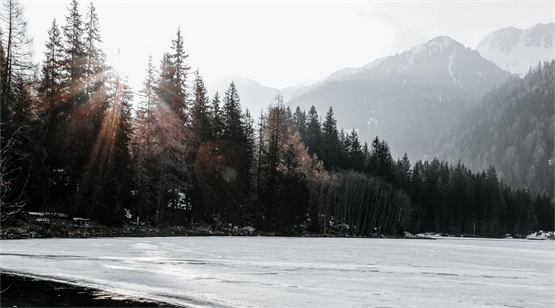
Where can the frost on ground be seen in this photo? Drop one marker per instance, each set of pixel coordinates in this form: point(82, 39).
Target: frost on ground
point(298, 272)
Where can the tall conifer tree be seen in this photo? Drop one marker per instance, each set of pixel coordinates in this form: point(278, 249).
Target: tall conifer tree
point(313, 133)
point(331, 149)
point(74, 49)
point(232, 119)
point(94, 56)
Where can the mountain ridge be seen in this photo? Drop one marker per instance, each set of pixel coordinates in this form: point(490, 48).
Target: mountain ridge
point(517, 50)
point(418, 87)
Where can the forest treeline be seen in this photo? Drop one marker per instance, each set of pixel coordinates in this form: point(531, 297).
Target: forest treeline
point(73, 142)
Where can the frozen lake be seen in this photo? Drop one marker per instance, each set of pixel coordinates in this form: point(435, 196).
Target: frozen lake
point(299, 272)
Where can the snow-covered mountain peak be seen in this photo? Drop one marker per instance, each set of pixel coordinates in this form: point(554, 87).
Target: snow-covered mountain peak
point(436, 48)
point(516, 50)
point(435, 45)
point(429, 49)
point(503, 39)
point(441, 57)
point(540, 35)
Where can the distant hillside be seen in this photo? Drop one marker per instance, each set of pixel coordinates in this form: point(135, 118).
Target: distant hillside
point(513, 130)
point(254, 95)
point(516, 50)
point(409, 99)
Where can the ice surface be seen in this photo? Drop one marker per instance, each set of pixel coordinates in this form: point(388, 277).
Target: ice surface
point(299, 272)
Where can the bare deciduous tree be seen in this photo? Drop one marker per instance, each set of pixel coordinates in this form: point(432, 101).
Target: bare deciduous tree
point(11, 201)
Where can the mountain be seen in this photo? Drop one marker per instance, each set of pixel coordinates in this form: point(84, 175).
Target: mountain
point(336, 76)
point(512, 129)
point(408, 99)
point(517, 50)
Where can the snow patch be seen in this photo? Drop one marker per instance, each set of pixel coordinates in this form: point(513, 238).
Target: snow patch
point(451, 64)
point(372, 121)
point(540, 235)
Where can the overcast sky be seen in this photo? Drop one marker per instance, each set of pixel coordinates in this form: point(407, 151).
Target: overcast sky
point(281, 44)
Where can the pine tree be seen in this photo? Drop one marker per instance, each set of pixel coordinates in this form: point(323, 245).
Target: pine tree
point(52, 92)
point(374, 152)
point(143, 142)
point(493, 210)
point(366, 154)
point(16, 50)
point(250, 144)
point(199, 133)
point(313, 133)
point(381, 163)
point(249, 133)
point(343, 143)
point(171, 150)
point(166, 88)
point(216, 117)
point(181, 69)
point(94, 56)
point(233, 126)
point(454, 189)
point(74, 50)
point(300, 121)
point(331, 148)
point(200, 124)
point(404, 172)
point(261, 146)
point(142, 177)
point(148, 102)
point(52, 82)
point(355, 154)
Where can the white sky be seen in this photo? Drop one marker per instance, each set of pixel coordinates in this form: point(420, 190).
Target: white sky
point(281, 44)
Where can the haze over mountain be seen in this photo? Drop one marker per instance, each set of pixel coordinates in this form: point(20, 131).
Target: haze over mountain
point(512, 129)
point(429, 101)
point(408, 99)
point(253, 95)
point(517, 50)
point(511, 49)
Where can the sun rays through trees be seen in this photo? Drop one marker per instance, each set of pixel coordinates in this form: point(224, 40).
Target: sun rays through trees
point(77, 139)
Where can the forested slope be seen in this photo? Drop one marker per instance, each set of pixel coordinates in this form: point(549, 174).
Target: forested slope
point(513, 130)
